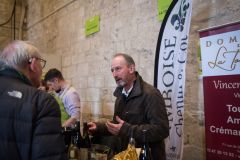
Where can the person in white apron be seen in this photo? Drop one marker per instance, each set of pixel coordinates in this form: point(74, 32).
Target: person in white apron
point(67, 97)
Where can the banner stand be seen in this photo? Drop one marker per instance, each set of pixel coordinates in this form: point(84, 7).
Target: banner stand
point(220, 51)
point(169, 71)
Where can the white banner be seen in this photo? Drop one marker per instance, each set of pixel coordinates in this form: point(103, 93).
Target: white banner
point(220, 54)
point(170, 63)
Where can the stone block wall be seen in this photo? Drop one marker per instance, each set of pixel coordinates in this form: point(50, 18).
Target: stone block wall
point(127, 26)
point(7, 30)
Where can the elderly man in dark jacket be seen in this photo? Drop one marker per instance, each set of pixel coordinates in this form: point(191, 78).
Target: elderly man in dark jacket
point(138, 105)
point(30, 118)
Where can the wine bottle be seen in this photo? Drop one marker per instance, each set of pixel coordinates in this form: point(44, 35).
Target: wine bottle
point(79, 137)
point(145, 153)
point(85, 137)
point(73, 150)
point(130, 153)
point(66, 134)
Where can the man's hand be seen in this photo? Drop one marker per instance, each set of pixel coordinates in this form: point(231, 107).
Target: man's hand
point(70, 121)
point(91, 128)
point(42, 88)
point(115, 128)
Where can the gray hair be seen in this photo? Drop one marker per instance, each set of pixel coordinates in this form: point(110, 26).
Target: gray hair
point(129, 60)
point(17, 54)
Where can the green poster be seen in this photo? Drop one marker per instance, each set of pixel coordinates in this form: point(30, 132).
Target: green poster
point(199, 60)
point(92, 25)
point(162, 8)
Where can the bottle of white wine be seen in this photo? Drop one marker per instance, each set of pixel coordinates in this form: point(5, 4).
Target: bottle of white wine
point(145, 153)
point(73, 150)
point(130, 153)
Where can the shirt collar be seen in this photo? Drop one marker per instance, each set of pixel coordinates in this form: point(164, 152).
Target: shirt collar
point(127, 93)
point(63, 90)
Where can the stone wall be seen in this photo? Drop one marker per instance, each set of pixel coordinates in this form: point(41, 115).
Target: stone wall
point(128, 26)
point(7, 31)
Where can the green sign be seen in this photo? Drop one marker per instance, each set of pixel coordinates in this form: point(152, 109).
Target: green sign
point(162, 8)
point(199, 60)
point(92, 25)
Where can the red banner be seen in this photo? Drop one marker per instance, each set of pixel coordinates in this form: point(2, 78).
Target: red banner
point(221, 85)
point(222, 109)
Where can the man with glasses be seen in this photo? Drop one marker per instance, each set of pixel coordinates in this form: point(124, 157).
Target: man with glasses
point(30, 118)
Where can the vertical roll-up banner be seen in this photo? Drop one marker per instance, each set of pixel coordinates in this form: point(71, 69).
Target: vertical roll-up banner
point(169, 74)
point(220, 50)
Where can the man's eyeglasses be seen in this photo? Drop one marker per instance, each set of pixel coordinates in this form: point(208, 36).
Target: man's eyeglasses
point(43, 62)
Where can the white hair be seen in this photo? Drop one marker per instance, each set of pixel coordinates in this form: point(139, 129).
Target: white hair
point(17, 54)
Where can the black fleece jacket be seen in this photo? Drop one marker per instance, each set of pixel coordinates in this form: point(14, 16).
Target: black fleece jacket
point(30, 121)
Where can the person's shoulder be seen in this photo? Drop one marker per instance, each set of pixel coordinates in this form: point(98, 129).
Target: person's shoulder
point(71, 94)
point(150, 89)
point(46, 102)
point(34, 94)
point(72, 89)
point(30, 94)
point(43, 95)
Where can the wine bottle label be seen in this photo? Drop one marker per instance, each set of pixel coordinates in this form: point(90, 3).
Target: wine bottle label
point(72, 154)
point(93, 155)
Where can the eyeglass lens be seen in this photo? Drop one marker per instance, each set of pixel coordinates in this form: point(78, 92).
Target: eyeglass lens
point(42, 63)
